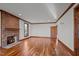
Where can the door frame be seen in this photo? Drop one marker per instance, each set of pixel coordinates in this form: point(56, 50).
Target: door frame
point(75, 31)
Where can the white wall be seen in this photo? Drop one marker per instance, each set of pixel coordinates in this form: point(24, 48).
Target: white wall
point(42, 30)
point(66, 28)
point(30, 29)
point(0, 28)
point(21, 31)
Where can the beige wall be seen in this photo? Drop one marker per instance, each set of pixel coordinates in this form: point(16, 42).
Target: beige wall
point(0, 28)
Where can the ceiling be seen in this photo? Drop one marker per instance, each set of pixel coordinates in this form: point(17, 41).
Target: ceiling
point(36, 12)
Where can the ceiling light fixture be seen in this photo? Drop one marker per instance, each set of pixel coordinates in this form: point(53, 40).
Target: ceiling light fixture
point(19, 14)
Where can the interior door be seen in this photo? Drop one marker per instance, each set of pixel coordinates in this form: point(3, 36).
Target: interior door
point(53, 36)
point(76, 28)
point(54, 32)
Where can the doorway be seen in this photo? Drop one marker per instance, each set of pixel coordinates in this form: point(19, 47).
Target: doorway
point(53, 36)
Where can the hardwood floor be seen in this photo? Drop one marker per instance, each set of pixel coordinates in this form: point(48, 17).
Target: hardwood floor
point(35, 47)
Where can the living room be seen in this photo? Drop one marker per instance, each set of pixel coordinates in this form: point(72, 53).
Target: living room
point(38, 29)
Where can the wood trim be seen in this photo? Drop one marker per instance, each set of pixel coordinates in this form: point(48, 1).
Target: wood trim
point(72, 4)
point(1, 29)
point(15, 16)
point(25, 38)
point(76, 30)
point(9, 13)
point(39, 37)
point(77, 6)
point(67, 48)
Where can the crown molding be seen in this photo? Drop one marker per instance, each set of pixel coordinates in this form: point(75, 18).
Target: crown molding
point(71, 5)
point(15, 16)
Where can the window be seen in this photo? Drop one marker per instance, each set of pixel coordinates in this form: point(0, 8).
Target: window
point(25, 29)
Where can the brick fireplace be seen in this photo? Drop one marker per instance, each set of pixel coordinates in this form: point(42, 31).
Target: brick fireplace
point(9, 28)
point(9, 37)
point(12, 39)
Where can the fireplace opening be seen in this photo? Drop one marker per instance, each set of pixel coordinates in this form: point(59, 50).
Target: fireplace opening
point(10, 39)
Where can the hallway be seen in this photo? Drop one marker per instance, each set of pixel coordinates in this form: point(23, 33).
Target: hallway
point(35, 47)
